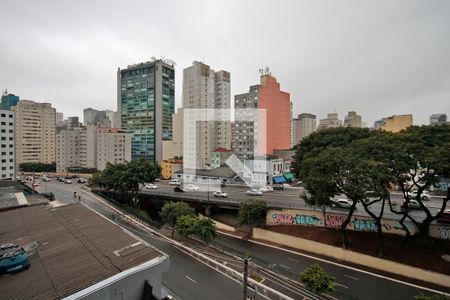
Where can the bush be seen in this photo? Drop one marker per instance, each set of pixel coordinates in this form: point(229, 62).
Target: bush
point(317, 280)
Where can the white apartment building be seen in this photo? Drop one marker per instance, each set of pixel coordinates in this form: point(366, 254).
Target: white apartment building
point(35, 129)
point(7, 168)
point(302, 126)
point(203, 88)
point(92, 147)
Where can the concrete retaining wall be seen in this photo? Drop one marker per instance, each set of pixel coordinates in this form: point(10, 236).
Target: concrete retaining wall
point(352, 257)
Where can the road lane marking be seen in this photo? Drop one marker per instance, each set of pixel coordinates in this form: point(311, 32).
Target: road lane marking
point(190, 279)
point(285, 266)
point(348, 276)
point(296, 260)
point(344, 286)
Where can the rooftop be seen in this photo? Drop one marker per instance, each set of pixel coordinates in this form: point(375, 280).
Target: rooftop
point(76, 249)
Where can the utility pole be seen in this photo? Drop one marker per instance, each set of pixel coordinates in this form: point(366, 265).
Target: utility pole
point(245, 277)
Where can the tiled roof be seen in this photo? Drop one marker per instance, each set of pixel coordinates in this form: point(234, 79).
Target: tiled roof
point(76, 248)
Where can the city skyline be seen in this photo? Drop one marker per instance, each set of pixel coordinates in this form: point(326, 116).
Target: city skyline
point(325, 67)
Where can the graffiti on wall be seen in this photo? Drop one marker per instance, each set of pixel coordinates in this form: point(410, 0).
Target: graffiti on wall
point(286, 219)
point(282, 219)
point(444, 233)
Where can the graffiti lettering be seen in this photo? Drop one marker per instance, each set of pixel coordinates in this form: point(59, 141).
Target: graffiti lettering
point(336, 220)
point(364, 225)
point(444, 233)
point(307, 220)
point(282, 219)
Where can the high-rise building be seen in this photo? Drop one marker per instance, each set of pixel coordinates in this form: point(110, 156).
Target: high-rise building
point(438, 119)
point(7, 149)
point(203, 88)
point(353, 120)
point(113, 118)
point(331, 121)
point(277, 105)
point(174, 147)
point(8, 100)
point(91, 147)
point(35, 129)
point(103, 118)
point(145, 104)
point(397, 123)
point(302, 126)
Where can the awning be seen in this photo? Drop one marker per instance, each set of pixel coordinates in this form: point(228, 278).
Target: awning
point(288, 176)
point(279, 179)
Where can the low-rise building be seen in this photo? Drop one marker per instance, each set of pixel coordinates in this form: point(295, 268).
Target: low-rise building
point(169, 166)
point(219, 157)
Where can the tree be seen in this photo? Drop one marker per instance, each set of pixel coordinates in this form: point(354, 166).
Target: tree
point(205, 230)
point(186, 225)
point(317, 280)
point(252, 212)
point(172, 211)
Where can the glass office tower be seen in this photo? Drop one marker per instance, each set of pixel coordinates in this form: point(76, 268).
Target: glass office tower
point(146, 102)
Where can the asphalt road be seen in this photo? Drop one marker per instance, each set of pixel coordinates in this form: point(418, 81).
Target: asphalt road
point(187, 277)
point(190, 279)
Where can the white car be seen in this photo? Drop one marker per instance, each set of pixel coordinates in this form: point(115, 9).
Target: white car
point(45, 179)
point(254, 192)
point(344, 203)
point(67, 181)
point(412, 204)
point(220, 194)
point(151, 186)
point(266, 188)
point(424, 195)
point(175, 182)
point(191, 187)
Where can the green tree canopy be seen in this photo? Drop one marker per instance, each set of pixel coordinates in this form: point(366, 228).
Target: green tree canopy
point(186, 225)
point(37, 167)
point(317, 280)
point(172, 211)
point(252, 212)
point(204, 229)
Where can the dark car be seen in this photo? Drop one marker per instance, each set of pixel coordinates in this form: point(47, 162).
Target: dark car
point(444, 217)
point(178, 189)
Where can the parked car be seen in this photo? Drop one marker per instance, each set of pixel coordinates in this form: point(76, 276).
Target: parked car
point(175, 182)
point(424, 195)
point(343, 203)
point(67, 181)
point(81, 180)
point(412, 204)
point(444, 217)
point(266, 188)
point(178, 189)
point(60, 179)
point(220, 194)
point(254, 192)
point(151, 186)
point(191, 187)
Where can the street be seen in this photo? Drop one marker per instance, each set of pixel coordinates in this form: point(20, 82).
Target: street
point(190, 279)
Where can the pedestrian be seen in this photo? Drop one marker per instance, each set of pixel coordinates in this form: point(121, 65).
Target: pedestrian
point(79, 198)
point(75, 195)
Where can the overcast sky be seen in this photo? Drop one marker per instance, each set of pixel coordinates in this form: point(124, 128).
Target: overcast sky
point(375, 57)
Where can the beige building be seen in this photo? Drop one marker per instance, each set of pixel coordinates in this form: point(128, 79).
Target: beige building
point(397, 123)
point(174, 147)
point(35, 129)
point(331, 121)
point(92, 147)
point(302, 126)
point(203, 88)
point(353, 120)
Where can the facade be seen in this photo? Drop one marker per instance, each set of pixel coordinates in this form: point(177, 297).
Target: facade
point(203, 88)
point(353, 120)
point(331, 121)
point(35, 129)
point(8, 100)
point(169, 166)
point(91, 147)
point(269, 97)
point(397, 123)
point(265, 168)
point(103, 118)
point(378, 124)
point(302, 126)
point(174, 147)
point(113, 119)
point(7, 149)
point(145, 104)
point(438, 119)
point(219, 157)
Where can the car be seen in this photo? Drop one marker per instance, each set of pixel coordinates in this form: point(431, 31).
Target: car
point(191, 187)
point(178, 189)
point(151, 186)
point(45, 179)
point(67, 181)
point(343, 203)
point(60, 179)
point(266, 188)
point(36, 184)
point(424, 195)
point(254, 192)
point(175, 182)
point(81, 180)
point(412, 204)
point(220, 194)
point(444, 217)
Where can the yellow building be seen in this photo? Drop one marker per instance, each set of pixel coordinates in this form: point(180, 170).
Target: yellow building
point(396, 123)
point(168, 166)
